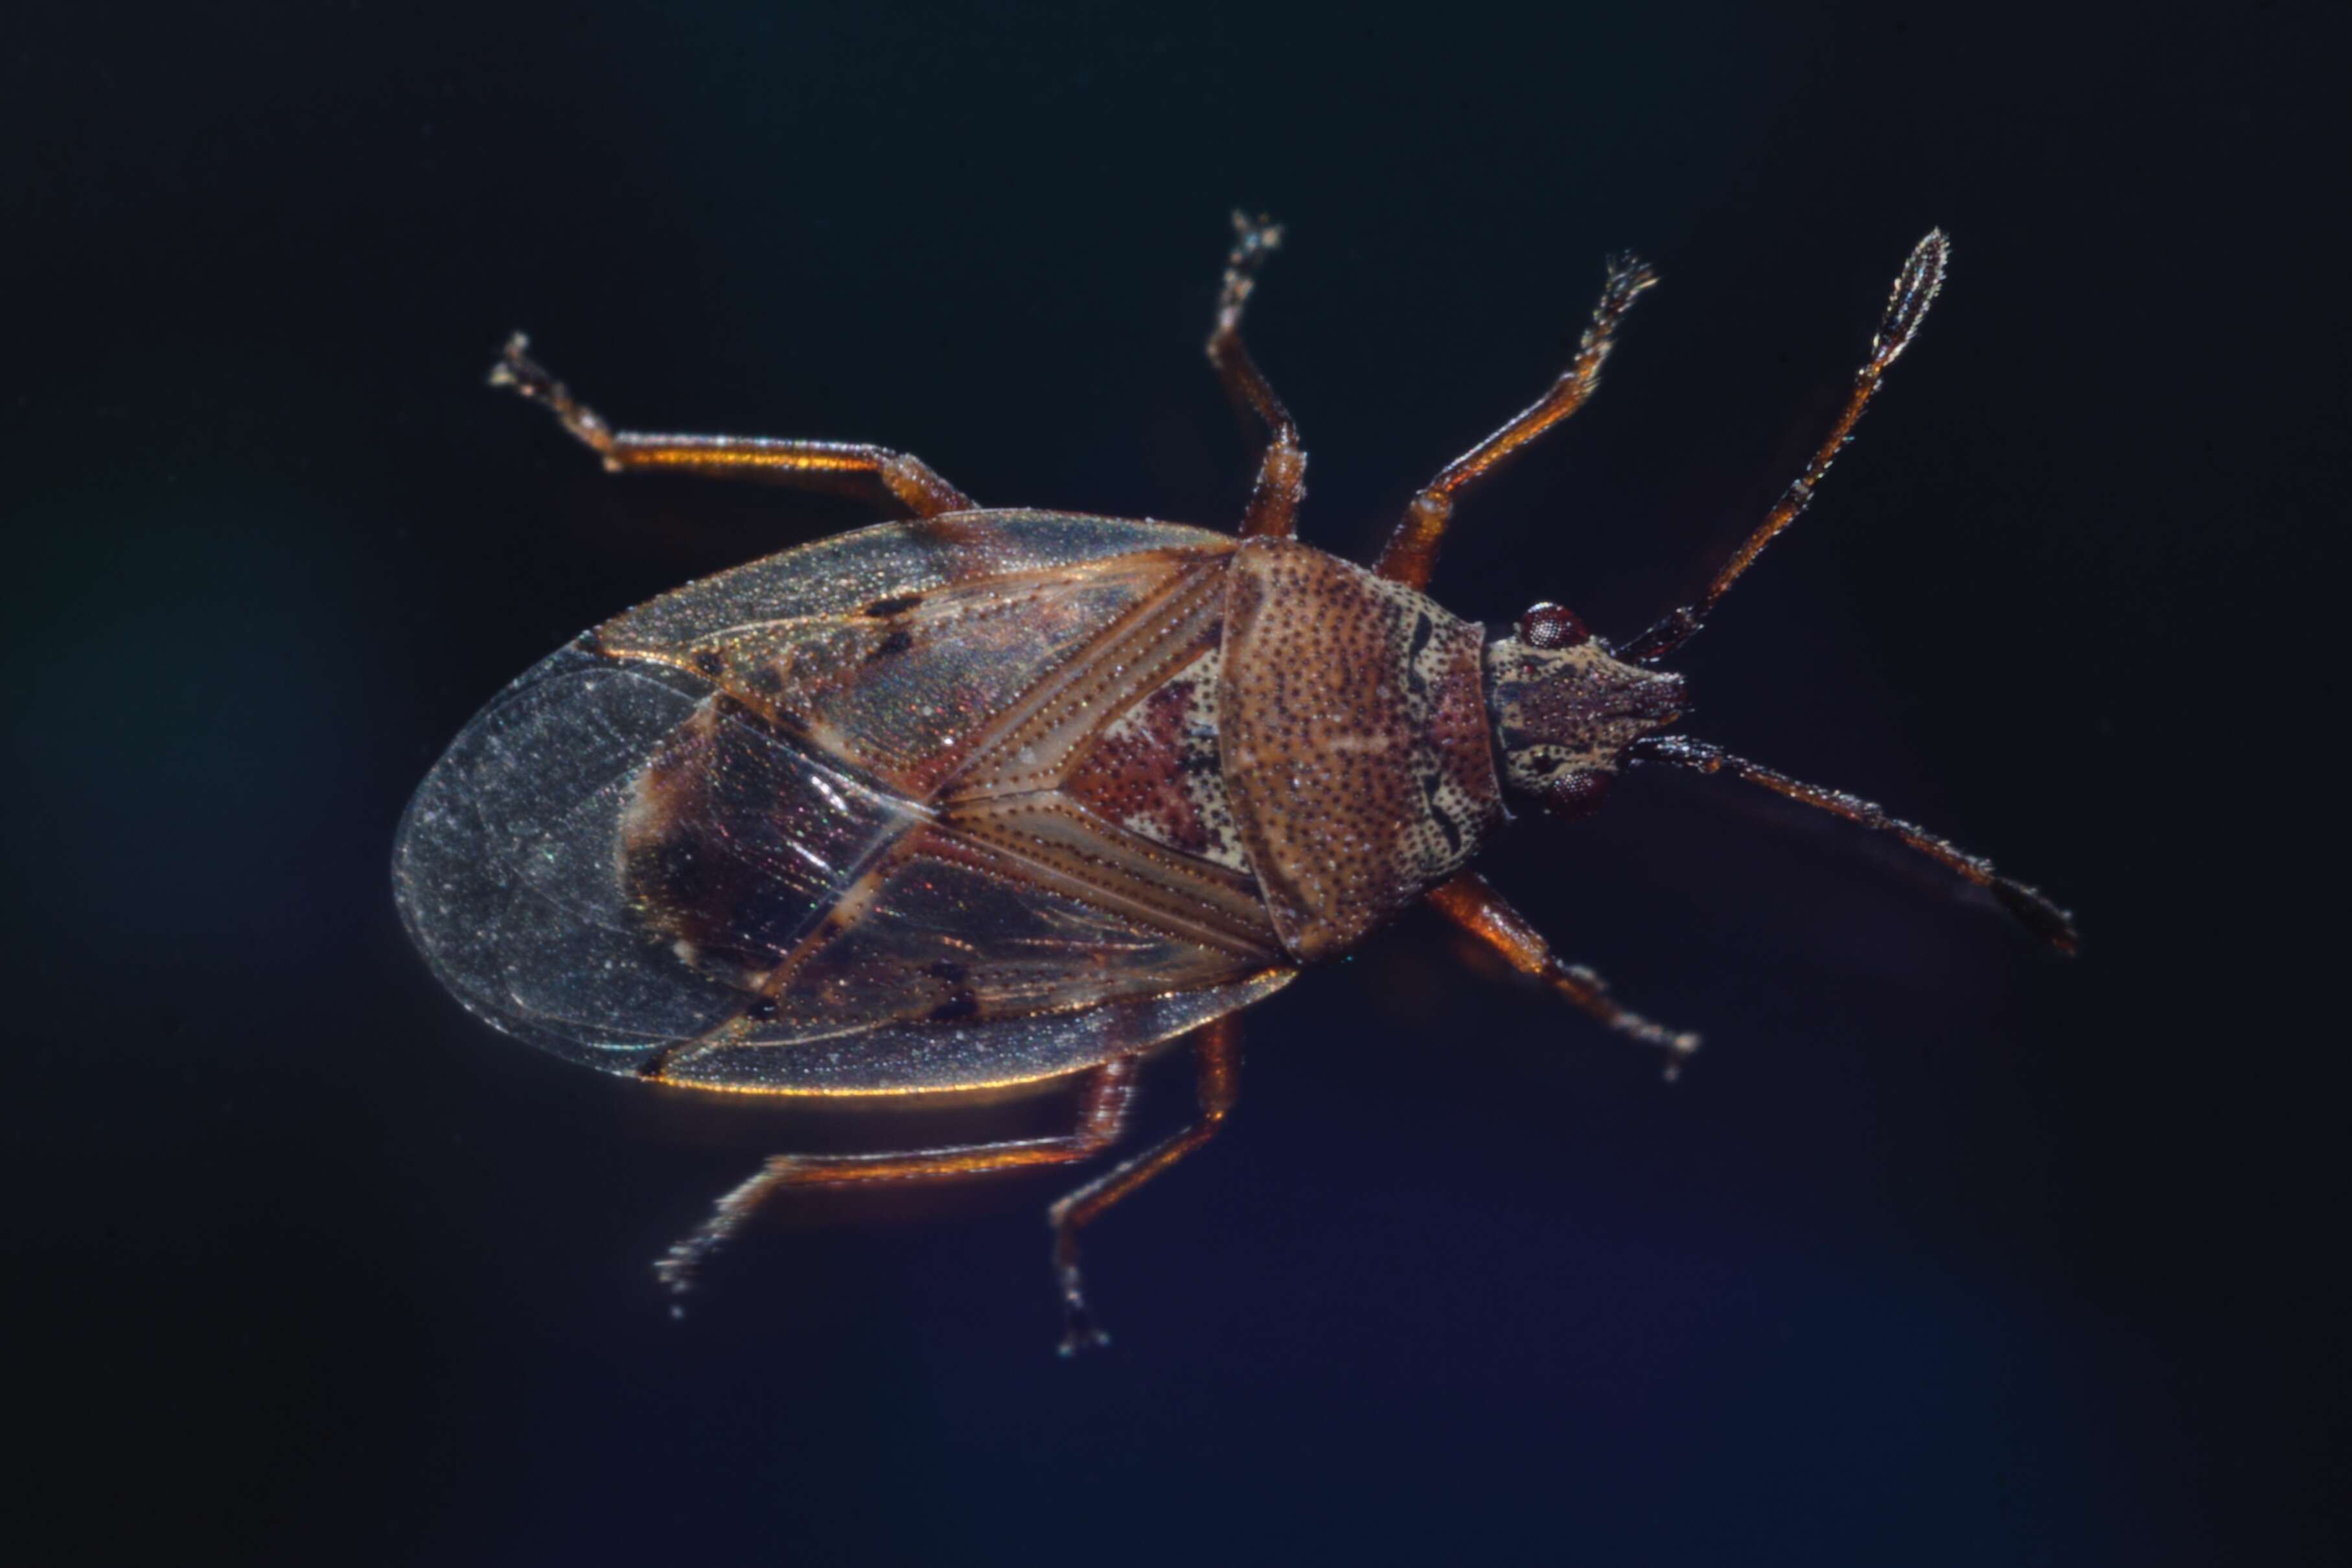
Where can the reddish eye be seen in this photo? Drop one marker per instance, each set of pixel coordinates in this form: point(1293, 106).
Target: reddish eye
point(1572, 800)
point(1552, 625)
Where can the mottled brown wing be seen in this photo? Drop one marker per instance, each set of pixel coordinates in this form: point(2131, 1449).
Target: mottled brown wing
point(801, 825)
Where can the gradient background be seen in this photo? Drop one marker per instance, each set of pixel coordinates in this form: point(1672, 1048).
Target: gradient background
point(1946, 1251)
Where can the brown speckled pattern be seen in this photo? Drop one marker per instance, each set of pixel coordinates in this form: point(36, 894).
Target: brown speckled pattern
point(1355, 740)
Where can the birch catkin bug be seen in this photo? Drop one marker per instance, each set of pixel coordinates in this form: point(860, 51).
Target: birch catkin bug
point(994, 796)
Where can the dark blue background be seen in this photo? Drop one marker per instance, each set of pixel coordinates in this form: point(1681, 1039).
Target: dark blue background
point(1946, 1251)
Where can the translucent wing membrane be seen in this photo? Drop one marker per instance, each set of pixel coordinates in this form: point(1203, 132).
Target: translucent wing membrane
point(505, 870)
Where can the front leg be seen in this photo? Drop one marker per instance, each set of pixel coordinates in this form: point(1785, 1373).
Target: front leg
point(1469, 902)
point(809, 465)
point(1411, 553)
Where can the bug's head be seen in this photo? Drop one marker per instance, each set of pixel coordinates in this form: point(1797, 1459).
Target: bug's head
point(1564, 712)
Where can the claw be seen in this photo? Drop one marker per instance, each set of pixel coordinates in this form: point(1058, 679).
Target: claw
point(526, 377)
point(1079, 1330)
point(517, 368)
point(1253, 240)
point(1680, 1048)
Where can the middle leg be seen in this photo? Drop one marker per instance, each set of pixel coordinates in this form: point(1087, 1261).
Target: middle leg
point(1471, 903)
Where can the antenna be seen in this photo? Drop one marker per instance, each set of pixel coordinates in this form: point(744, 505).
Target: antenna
point(1914, 290)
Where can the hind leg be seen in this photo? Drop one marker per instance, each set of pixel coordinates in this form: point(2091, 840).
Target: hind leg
point(1102, 1117)
point(845, 466)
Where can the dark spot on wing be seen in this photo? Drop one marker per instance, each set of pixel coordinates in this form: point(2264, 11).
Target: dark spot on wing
point(962, 1005)
point(897, 642)
point(708, 662)
point(897, 606)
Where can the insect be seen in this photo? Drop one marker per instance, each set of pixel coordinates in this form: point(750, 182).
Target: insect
point(988, 798)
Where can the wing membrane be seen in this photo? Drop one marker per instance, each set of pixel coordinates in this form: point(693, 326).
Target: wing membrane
point(714, 830)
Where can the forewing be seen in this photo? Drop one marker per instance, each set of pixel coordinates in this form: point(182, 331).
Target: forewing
point(701, 834)
point(849, 573)
point(892, 650)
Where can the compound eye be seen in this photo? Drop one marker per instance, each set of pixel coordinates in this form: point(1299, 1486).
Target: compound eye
point(1574, 799)
point(1552, 625)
